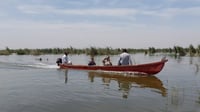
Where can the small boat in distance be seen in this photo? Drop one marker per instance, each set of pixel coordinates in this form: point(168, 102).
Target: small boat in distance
point(146, 69)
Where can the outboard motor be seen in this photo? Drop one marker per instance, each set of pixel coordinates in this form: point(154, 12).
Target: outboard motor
point(59, 61)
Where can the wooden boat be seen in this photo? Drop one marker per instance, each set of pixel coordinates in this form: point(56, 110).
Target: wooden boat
point(148, 68)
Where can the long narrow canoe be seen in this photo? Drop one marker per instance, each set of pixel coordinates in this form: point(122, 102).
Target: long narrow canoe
point(148, 68)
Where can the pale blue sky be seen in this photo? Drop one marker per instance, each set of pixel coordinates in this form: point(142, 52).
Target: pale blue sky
point(99, 23)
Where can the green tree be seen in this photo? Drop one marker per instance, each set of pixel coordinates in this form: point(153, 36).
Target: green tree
point(192, 50)
point(152, 50)
point(93, 51)
point(198, 50)
point(179, 51)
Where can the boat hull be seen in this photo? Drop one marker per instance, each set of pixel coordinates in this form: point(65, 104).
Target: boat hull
point(148, 68)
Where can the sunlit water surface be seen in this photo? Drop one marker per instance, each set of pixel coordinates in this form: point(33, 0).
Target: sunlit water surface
point(30, 85)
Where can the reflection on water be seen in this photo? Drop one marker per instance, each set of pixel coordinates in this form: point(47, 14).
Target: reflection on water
point(198, 100)
point(124, 87)
point(66, 75)
point(197, 68)
point(196, 62)
point(192, 61)
point(125, 83)
point(178, 59)
point(177, 96)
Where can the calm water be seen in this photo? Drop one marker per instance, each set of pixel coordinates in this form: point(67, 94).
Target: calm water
point(30, 85)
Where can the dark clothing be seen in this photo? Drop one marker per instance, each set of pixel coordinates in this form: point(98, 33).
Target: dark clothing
point(59, 61)
point(91, 63)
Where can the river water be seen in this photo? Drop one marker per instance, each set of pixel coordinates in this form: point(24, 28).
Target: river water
point(30, 85)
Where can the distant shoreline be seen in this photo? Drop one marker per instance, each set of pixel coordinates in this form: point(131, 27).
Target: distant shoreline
point(175, 50)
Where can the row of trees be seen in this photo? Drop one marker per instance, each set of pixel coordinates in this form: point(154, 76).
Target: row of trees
point(176, 50)
point(88, 51)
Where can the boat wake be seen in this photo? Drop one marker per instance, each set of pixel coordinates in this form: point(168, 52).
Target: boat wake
point(40, 65)
point(12, 65)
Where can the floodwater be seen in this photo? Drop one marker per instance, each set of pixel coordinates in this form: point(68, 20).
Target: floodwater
point(30, 85)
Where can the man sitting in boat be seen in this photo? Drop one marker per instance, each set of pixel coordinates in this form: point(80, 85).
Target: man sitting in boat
point(92, 62)
point(59, 61)
point(65, 59)
point(106, 61)
point(125, 58)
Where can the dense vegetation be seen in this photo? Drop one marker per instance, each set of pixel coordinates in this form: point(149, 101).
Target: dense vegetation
point(176, 50)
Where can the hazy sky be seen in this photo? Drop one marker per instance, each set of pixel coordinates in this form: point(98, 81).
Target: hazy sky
point(99, 23)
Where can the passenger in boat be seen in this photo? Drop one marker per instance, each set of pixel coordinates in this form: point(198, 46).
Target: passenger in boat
point(106, 61)
point(92, 62)
point(65, 59)
point(125, 58)
point(59, 61)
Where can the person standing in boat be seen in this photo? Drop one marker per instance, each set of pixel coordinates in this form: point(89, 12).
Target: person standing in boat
point(65, 59)
point(92, 62)
point(106, 61)
point(125, 58)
